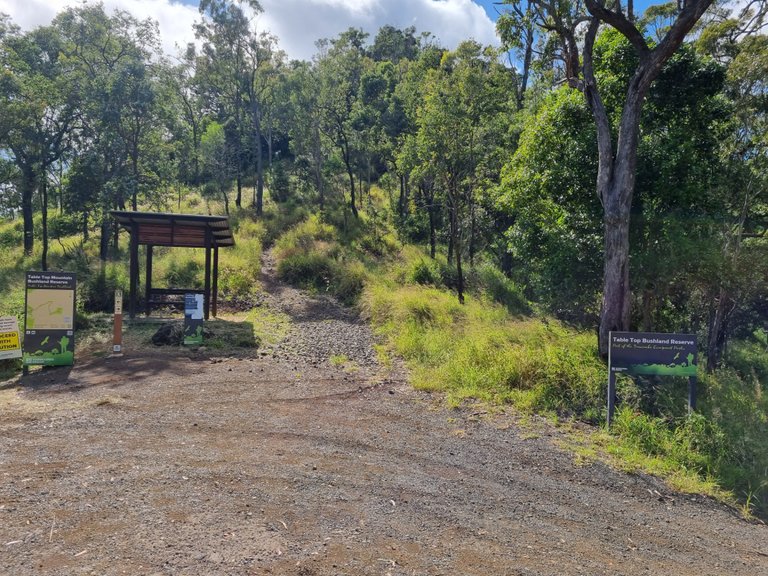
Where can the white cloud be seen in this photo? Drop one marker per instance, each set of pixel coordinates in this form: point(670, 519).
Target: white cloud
point(174, 19)
point(297, 23)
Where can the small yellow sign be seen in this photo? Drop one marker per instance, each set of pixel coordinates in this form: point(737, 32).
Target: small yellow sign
point(10, 344)
point(9, 341)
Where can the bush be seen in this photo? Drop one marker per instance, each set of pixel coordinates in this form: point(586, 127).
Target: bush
point(305, 236)
point(425, 271)
point(62, 225)
point(96, 291)
point(502, 290)
point(309, 270)
point(319, 272)
point(12, 235)
point(184, 273)
point(348, 284)
point(279, 183)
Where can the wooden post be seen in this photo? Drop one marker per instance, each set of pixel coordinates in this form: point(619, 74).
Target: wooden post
point(207, 288)
point(148, 287)
point(117, 336)
point(215, 295)
point(134, 269)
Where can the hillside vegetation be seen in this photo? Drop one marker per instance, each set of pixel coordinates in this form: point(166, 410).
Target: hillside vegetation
point(490, 220)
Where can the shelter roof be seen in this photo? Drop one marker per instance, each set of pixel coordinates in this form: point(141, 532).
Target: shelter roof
point(182, 230)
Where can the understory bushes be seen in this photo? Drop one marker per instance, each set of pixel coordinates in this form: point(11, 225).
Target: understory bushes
point(479, 351)
point(309, 256)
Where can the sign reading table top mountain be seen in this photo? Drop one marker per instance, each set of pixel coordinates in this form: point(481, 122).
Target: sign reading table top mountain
point(50, 318)
point(652, 353)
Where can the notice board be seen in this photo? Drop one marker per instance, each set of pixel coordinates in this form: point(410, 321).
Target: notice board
point(49, 321)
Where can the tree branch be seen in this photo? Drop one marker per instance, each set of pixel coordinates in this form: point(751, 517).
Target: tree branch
point(622, 24)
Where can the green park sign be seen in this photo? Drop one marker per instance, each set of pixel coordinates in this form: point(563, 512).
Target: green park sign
point(651, 354)
point(49, 322)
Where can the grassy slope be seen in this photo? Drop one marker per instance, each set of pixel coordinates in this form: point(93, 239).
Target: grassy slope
point(493, 349)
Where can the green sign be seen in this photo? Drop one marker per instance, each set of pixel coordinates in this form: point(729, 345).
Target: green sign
point(193, 319)
point(49, 322)
point(652, 354)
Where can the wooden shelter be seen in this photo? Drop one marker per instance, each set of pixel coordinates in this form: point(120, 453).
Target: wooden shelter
point(177, 231)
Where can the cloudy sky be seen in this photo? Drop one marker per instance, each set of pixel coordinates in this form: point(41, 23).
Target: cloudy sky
point(297, 23)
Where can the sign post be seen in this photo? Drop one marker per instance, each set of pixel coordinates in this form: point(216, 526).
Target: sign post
point(10, 343)
point(49, 321)
point(651, 354)
point(117, 335)
point(193, 319)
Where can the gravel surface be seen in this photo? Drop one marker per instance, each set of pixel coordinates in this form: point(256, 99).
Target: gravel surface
point(288, 463)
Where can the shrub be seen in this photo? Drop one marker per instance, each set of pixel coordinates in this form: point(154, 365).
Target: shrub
point(184, 273)
point(425, 271)
point(61, 225)
point(307, 270)
point(96, 291)
point(305, 236)
point(348, 283)
point(503, 290)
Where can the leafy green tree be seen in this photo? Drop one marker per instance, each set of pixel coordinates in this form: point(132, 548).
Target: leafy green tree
point(309, 144)
point(109, 59)
point(735, 288)
point(264, 62)
point(38, 113)
point(617, 146)
point(340, 67)
point(547, 189)
point(219, 163)
point(460, 126)
point(225, 72)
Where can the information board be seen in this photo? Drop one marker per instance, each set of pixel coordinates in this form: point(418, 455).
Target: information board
point(10, 343)
point(49, 322)
point(193, 319)
point(651, 354)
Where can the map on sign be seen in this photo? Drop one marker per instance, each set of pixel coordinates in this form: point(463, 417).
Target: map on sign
point(49, 327)
point(49, 309)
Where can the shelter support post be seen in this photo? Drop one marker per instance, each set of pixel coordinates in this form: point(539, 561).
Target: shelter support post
point(148, 287)
point(134, 269)
point(207, 288)
point(215, 293)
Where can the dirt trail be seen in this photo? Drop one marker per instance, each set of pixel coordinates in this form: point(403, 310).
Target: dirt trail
point(289, 463)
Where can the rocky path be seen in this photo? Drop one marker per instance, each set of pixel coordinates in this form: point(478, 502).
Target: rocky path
point(297, 463)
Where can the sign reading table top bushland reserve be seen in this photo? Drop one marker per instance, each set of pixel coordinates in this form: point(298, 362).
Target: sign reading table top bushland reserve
point(49, 326)
point(650, 353)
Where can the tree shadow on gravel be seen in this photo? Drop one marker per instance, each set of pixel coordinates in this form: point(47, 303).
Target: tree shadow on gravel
point(102, 373)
